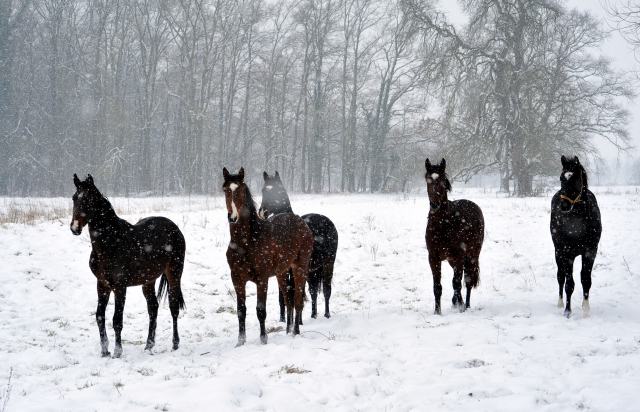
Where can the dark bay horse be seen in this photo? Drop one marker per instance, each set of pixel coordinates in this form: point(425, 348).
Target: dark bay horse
point(325, 242)
point(455, 232)
point(575, 230)
point(125, 255)
point(259, 249)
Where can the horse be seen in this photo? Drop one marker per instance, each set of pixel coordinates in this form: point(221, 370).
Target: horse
point(259, 249)
point(455, 232)
point(125, 255)
point(325, 242)
point(575, 230)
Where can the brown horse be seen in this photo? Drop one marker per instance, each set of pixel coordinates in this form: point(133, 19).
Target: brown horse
point(125, 255)
point(259, 249)
point(455, 233)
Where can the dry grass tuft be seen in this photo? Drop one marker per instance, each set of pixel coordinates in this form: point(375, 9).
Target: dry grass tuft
point(32, 212)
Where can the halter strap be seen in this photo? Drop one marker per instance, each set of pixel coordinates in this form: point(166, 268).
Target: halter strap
point(574, 201)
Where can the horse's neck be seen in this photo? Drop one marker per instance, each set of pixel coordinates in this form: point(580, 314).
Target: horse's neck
point(104, 228)
point(443, 215)
point(243, 231)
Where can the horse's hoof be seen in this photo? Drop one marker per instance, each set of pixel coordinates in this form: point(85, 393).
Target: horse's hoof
point(437, 312)
point(117, 352)
point(314, 315)
point(106, 354)
point(240, 343)
point(327, 315)
point(567, 313)
point(263, 339)
point(282, 319)
point(461, 308)
point(560, 303)
point(585, 306)
point(301, 323)
point(175, 346)
point(149, 346)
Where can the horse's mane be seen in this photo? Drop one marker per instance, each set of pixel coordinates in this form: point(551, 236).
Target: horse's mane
point(286, 202)
point(585, 180)
point(254, 222)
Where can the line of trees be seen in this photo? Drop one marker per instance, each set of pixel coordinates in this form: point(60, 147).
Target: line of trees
point(338, 95)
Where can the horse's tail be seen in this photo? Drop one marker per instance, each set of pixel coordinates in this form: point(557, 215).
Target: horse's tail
point(162, 288)
point(475, 276)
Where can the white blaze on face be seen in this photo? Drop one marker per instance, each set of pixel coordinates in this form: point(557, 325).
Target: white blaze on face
point(233, 186)
point(75, 225)
point(434, 176)
point(568, 175)
point(234, 209)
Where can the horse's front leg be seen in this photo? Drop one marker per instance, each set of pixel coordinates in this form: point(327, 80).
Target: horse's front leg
point(588, 258)
point(261, 308)
point(565, 277)
point(120, 295)
point(103, 299)
point(458, 268)
point(240, 287)
point(436, 267)
point(152, 307)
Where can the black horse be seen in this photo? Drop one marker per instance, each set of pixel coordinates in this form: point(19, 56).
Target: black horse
point(125, 255)
point(325, 242)
point(575, 229)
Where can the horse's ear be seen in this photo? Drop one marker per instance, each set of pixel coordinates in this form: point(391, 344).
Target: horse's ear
point(90, 180)
point(76, 181)
point(443, 164)
point(577, 160)
point(278, 176)
point(427, 164)
point(265, 175)
point(241, 174)
point(225, 173)
point(563, 159)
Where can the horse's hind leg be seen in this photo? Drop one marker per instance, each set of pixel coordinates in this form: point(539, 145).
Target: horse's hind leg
point(152, 306)
point(300, 275)
point(326, 285)
point(314, 284)
point(282, 305)
point(103, 300)
point(283, 284)
point(176, 299)
point(588, 258)
point(471, 276)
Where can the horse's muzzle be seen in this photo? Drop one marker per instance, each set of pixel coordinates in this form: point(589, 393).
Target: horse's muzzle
point(232, 219)
point(435, 205)
point(76, 226)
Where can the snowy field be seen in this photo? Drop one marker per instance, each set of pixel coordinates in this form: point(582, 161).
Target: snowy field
point(383, 348)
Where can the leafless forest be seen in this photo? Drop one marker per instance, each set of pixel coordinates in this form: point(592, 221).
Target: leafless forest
point(337, 95)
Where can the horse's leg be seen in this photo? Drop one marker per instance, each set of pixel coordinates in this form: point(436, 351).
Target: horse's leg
point(471, 275)
point(152, 307)
point(240, 287)
point(326, 285)
point(176, 299)
point(282, 305)
point(120, 295)
point(565, 276)
point(436, 266)
point(283, 284)
point(314, 284)
point(261, 307)
point(103, 300)
point(588, 258)
point(300, 282)
point(458, 270)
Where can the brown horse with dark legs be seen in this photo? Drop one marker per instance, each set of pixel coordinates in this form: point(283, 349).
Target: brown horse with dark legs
point(455, 233)
point(125, 255)
point(259, 249)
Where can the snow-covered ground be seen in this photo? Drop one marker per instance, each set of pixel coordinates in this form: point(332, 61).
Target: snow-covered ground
point(383, 348)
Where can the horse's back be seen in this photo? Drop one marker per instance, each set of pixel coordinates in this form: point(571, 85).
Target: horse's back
point(160, 231)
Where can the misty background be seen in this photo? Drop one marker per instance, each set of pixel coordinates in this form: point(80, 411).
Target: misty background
point(155, 97)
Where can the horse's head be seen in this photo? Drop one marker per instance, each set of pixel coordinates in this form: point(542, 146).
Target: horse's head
point(274, 197)
point(234, 193)
point(86, 202)
point(573, 180)
point(437, 184)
